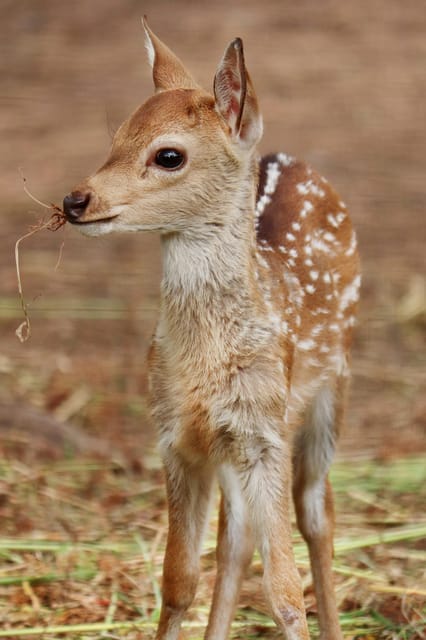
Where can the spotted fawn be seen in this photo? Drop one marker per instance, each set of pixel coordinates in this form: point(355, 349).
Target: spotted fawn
point(250, 358)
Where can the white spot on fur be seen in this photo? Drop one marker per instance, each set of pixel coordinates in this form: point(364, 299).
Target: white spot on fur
point(307, 207)
point(310, 288)
point(314, 362)
point(310, 187)
point(350, 322)
point(273, 173)
point(285, 159)
point(317, 191)
point(350, 295)
point(272, 176)
point(294, 292)
point(317, 329)
point(320, 245)
point(336, 220)
point(263, 263)
point(261, 204)
point(306, 345)
point(352, 245)
point(320, 310)
point(329, 237)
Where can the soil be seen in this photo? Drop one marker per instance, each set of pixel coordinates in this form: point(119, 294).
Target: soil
point(340, 85)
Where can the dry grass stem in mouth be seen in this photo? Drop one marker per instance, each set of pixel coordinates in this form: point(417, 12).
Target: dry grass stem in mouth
point(55, 221)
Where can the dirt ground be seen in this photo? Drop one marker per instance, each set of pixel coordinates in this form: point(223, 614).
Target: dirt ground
point(340, 84)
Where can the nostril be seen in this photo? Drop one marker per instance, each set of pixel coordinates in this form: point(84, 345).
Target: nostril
point(75, 204)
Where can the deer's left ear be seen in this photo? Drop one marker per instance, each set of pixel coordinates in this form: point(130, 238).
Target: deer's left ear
point(235, 97)
point(168, 71)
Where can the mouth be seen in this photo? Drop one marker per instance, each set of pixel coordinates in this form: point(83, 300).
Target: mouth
point(81, 223)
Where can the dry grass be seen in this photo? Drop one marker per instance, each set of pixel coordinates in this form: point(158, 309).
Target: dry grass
point(55, 221)
point(83, 540)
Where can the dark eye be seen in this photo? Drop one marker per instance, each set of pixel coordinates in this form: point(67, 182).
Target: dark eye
point(169, 159)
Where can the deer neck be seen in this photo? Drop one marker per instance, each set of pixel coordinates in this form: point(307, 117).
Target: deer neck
point(209, 278)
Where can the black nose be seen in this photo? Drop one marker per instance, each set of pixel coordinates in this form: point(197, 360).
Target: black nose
point(75, 205)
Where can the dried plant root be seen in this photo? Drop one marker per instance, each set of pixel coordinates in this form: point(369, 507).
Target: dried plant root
point(57, 219)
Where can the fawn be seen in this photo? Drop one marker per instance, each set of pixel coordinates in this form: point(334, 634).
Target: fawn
point(249, 361)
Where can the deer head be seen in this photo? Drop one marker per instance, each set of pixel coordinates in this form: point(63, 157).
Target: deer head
point(180, 158)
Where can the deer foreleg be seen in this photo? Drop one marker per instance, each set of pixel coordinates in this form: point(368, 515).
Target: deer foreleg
point(188, 490)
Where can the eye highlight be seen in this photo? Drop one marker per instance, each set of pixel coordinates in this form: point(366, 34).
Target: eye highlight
point(170, 159)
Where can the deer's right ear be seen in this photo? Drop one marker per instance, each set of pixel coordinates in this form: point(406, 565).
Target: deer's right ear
point(235, 97)
point(168, 71)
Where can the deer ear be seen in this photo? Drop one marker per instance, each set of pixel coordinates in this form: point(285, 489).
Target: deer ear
point(235, 97)
point(168, 72)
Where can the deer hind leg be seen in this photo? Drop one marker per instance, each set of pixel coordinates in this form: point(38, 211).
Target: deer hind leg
point(234, 553)
point(188, 491)
point(313, 498)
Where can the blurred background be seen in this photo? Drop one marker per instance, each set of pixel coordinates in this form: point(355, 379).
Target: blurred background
point(341, 85)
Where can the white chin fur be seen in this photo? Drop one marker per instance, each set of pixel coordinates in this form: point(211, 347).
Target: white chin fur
point(96, 228)
point(102, 228)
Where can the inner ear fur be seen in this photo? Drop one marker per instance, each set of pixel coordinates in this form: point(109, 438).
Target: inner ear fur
point(235, 97)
